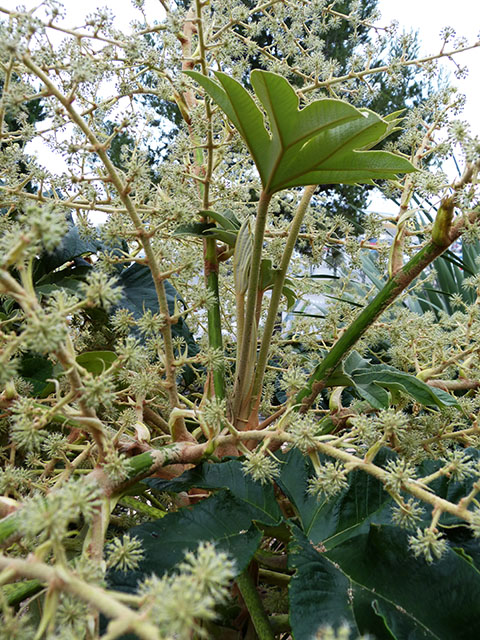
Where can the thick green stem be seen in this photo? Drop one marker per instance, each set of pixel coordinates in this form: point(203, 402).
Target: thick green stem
point(445, 232)
point(250, 329)
point(214, 318)
point(398, 283)
point(215, 340)
point(145, 509)
point(147, 463)
point(274, 577)
point(255, 607)
point(277, 290)
point(9, 527)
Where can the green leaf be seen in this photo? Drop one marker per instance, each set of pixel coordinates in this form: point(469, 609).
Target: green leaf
point(73, 245)
point(341, 376)
point(392, 379)
point(268, 276)
point(317, 592)
point(259, 498)
point(241, 109)
point(374, 394)
point(96, 362)
point(470, 254)
point(344, 298)
point(374, 582)
point(446, 280)
point(227, 220)
point(320, 144)
point(37, 370)
point(467, 548)
point(204, 229)
point(69, 277)
point(228, 237)
point(416, 599)
point(196, 229)
point(370, 269)
point(290, 295)
point(331, 521)
point(242, 257)
point(72, 285)
point(223, 519)
point(139, 295)
point(371, 380)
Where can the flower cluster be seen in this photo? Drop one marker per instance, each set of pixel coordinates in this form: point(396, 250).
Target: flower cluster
point(428, 543)
point(179, 603)
point(261, 467)
point(330, 479)
point(46, 518)
point(124, 554)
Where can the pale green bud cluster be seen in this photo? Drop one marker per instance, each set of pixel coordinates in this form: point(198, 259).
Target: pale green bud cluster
point(102, 291)
point(329, 480)
point(124, 554)
point(178, 603)
point(428, 543)
point(46, 518)
point(261, 467)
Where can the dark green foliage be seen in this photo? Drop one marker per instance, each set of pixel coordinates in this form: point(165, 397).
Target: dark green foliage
point(67, 268)
point(330, 521)
point(37, 370)
point(139, 295)
point(223, 519)
point(228, 475)
point(373, 381)
point(346, 563)
point(372, 582)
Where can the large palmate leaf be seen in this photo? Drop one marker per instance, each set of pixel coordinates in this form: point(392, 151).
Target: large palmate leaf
point(329, 522)
point(229, 475)
point(324, 143)
point(373, 582)
point(37, 370)
point(223, 519)
point(139, 295)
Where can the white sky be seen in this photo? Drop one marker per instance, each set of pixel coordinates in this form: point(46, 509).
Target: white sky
point(427, 17)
